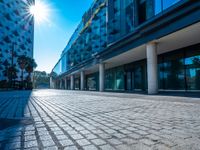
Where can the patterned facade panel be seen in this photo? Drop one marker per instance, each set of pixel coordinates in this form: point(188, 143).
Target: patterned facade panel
point(16, 32)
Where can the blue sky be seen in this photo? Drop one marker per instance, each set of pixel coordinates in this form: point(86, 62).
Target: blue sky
point(52, 36)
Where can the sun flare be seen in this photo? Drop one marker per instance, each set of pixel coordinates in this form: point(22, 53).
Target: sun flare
point(40, 11)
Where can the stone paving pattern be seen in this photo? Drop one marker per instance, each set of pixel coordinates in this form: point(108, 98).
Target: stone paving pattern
point(70, 120)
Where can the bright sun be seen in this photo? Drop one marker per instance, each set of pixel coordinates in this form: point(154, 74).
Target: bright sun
point(40, 11)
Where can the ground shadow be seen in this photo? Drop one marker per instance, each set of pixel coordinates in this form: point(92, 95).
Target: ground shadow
point(13, 106)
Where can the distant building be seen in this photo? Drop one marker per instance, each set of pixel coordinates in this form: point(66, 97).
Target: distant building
point(16, 33)
point(133, 45)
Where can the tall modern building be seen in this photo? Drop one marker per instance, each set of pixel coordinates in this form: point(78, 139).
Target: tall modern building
point(16, 33)
point(133, 45)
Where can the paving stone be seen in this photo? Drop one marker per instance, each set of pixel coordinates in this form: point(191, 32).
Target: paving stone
point(15, 145)
point(30, 144)
point(107, 147)
point(29, 138)
point(129, 141)
point(66, 142)
point(90, 136)
point(98, 142)
point(48, 143)
point(114, 141)
point(147, 142)
point(51, 148)
point(71, 148)
point(92, 120)
point(90, 147)
point(83, 142)
point(77, 136)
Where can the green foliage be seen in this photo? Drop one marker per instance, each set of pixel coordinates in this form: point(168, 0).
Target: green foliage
point(41, 78)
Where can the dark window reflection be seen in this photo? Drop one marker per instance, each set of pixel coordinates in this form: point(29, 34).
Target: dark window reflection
point(193, 70)
point(114, 79)
point(180, 70)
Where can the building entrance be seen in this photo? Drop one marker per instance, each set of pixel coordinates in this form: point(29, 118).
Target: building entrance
point(136, 78)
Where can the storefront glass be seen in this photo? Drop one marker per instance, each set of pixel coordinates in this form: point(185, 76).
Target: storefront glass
point(114, 79)
point(180, 70)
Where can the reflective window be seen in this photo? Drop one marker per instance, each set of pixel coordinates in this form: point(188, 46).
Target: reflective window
point(180, 70)
point(158, 6)
point(129, 11)
point(168, 3)
point(161, 5)
point(77, 83)
point(114, 79)
point(92, 82)
point(193, 70)
point(173, 72)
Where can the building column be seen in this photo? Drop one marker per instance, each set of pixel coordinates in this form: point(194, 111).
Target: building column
point(72, 82)
point(152, 69)
point(65, 82)
point(82, 80)
point(101, 76)
point(51, 83)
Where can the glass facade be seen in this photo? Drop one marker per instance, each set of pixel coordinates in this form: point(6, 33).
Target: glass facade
point(92, 82)
point(136, 76)
point(179, 70)
point(77, 83)
point(114, 79)
point(161, 5)
point(104, 23)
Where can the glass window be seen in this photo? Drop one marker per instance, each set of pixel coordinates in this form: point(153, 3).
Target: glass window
point(92, 82)
point(171, 72)
point(158, 6)
point(119, 81)
point(128, 81)
point(168, 3)
point(192, 63)
point(129, 15)
point(114, 79)
point(77, 84)
point(161, 5)
point(138, 78)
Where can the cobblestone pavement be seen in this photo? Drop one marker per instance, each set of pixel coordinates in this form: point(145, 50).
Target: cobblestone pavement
point(70, 120)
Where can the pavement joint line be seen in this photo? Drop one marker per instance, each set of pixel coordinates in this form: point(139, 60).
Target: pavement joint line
point(59, 127)
point(93, 133)
point(96, 134)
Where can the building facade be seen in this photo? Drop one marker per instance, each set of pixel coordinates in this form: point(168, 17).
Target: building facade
point(133, 45)
point(16, 34)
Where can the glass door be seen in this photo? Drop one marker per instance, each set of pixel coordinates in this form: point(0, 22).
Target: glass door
point(138, 78)
point(128, 81)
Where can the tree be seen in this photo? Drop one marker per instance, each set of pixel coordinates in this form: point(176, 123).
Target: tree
point(22, 62)
point(28, 64)
point(31, 64)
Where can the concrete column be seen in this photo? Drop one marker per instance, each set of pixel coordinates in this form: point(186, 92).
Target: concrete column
point(65, 82)
point(101, 77)
point(72, 82)
point(82, 80)
point(51, 83)
point(152, 70)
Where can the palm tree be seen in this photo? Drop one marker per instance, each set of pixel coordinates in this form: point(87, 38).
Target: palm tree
point(11, 73)
point(22, 62)
point(31, 64)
